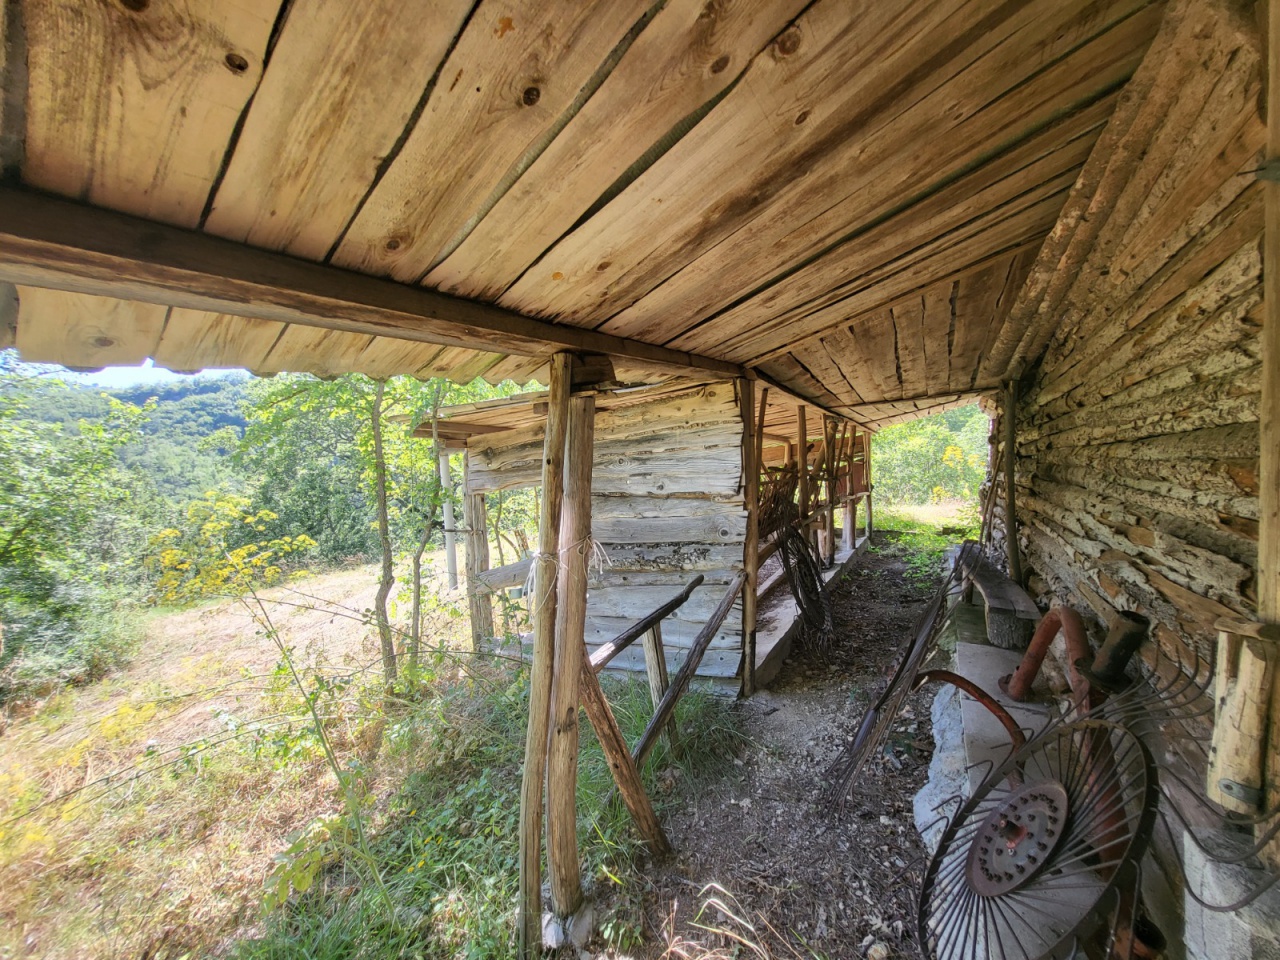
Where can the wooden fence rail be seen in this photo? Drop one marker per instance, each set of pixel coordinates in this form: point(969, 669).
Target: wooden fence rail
point(690, 666)
point(606, 652)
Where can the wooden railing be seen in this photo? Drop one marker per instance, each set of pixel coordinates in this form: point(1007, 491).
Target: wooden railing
point(625, 764)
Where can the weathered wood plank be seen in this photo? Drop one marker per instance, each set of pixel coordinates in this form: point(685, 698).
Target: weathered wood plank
point(85, 331)
point(908, 326)
point(687, 55)
point(325, 353)
point(514, 72)
point(850, 67)
point(718, 663)
point(722, 528)
point(198, 340)
point(343, 82)
point(634, 601)
point(990, 238)
point(132, 106)
point(677, 634)
point(387, 357)
point(47, 242)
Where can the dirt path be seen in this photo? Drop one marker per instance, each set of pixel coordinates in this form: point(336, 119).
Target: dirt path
point(760, 860)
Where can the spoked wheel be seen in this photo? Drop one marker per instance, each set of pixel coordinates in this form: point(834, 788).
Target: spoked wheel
point(1035, 861)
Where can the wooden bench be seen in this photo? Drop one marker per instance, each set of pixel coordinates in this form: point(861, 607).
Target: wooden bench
point(1011, 613)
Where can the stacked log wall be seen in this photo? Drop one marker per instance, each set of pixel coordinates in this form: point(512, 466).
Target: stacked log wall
point(667, 504)
point(1137, 432)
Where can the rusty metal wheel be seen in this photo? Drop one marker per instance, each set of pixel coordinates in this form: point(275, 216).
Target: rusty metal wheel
point(1033, 867)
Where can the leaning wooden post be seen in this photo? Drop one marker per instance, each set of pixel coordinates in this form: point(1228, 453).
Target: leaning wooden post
point(655, 665)
point(1010, 497)
point(752, 438)
point(625, 772)
point(866, 478)
point(545, 568)
point(571, 617)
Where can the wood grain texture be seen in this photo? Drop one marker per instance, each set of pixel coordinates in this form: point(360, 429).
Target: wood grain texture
point(687, 55)
point(542, 671)
point(573, 555)
point(625, 773)
point(516, 68)
point(54, 243)
point(343, 83)
point(134, 109)
point(845, 69)
point(199, 340)
point(85, 331)
point(1137, 452)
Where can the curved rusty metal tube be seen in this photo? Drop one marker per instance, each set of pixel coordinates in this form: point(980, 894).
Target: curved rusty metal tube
point(972, 689)
point(1018, 684)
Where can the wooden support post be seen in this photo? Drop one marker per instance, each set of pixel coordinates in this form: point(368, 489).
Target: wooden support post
point(1269, 416)
point(540, 676)
point(1010, 484)
point(655, 665)
point(570, 652)
point(752, 443)
point(802, 463)
point(479, 599)
point(830, 442)
point(850, 538)
point(625, 772)
point(866, 478)
point(1237, 767)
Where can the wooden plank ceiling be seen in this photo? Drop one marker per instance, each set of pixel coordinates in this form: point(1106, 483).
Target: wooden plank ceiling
point(846, 195)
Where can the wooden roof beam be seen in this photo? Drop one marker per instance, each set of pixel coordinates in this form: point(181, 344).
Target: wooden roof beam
point(49, 242)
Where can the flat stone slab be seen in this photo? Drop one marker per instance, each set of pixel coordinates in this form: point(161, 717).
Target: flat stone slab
point(986, 742)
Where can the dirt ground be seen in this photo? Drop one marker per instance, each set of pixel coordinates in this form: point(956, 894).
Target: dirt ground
point(764, 868)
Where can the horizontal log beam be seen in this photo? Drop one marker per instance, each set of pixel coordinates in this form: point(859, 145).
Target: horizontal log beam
point(50, 242)
point(511, 575)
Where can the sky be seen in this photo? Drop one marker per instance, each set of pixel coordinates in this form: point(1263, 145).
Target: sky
point(117, 378)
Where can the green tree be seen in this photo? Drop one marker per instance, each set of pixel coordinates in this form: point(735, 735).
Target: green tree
point(72, 524)
point(941, 457)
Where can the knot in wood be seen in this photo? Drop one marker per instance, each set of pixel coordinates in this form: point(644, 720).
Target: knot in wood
point(788, 43)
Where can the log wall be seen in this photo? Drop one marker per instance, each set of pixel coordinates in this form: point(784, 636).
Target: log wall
point(1137, 434)
point(667, 503)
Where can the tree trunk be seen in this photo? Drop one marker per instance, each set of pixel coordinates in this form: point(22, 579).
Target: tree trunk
point(446, 496)
point(384, 537)
point(415, 629)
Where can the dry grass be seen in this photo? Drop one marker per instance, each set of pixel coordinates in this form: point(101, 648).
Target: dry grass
point(139, 816)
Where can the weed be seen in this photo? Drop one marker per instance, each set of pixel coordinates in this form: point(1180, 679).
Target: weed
point(924, 536)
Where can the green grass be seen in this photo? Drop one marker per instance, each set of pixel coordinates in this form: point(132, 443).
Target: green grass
point(924, 535)
point(447, 851)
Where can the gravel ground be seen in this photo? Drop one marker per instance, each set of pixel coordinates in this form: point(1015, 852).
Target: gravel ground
point(763, 869)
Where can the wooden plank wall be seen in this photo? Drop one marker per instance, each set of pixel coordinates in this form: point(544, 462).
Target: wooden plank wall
point(1137, 435)
point(667, 504)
